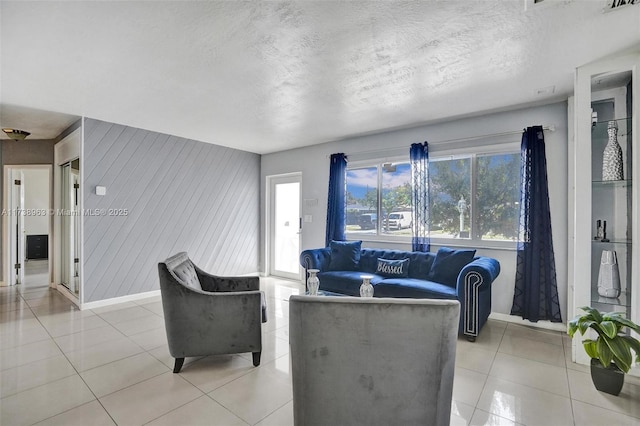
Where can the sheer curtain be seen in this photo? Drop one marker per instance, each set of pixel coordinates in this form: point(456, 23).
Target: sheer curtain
point(536, 289)
point(419, 156)
point(336, 215)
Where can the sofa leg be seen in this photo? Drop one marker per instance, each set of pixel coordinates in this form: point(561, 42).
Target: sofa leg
point(470, 338)
point(256, 358)
point(178, 365)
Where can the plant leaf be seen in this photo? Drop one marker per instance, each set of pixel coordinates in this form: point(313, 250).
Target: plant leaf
point(625, 322)
point(597, 317)
point(609, 329)
point(590, 347)
point(621, 353)
point(633, 344)
point(604, 352)
point(584, 324)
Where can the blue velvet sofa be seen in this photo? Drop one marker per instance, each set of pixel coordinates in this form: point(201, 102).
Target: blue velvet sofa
point(448, 274)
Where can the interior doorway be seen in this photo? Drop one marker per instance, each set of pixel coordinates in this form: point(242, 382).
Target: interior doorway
point(27, 225)
point(285, 225)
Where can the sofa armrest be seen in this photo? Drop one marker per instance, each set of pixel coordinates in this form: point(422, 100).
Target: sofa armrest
point(215, 283)
point(482, 271)
point(315, 259)
point(474, 294)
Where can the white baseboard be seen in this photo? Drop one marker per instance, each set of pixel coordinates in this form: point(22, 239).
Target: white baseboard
point(547, 325)
point(121, 299)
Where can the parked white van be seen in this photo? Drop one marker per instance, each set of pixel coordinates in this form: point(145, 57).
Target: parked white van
point(400, 220)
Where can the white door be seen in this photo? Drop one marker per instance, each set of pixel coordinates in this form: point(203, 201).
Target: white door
point(16, 227)
point(285, 225)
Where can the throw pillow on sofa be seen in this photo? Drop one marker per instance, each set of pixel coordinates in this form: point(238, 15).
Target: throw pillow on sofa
point(393, 268)
point(345, 255)
point(448, 263)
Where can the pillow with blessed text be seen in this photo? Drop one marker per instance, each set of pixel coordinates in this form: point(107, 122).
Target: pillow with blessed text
point(393, 268)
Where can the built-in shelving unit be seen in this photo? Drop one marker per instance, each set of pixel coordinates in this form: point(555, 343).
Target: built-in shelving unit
point(607, 89)
point(612, 203)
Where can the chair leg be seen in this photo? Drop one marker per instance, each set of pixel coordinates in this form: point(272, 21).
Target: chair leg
point(256, 358)
point(178, 365)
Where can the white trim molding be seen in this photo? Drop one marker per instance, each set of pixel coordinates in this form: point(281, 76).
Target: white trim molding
point(121, 299)
point(546, 325)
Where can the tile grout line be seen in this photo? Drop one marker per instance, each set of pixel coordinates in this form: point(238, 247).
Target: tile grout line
point(291, 400)
point(566, 371)
point(74, 368)
point(484, 385)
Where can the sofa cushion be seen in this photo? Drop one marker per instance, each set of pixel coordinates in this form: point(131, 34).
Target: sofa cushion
point(414, 288)
point(393, 268)
point(345, 282)
point(448, 263)
point(345, 255)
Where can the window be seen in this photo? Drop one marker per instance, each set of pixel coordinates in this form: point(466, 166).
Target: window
point(473, 197)
point(379, 200)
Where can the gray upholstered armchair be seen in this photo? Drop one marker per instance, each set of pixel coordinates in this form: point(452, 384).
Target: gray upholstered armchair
point(372, 361)
point(209, 315)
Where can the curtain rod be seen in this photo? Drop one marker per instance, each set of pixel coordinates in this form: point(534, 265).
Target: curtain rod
point(550, 128)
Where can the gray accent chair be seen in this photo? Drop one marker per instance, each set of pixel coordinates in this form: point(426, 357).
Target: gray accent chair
point(209, 315)
point(383, 361)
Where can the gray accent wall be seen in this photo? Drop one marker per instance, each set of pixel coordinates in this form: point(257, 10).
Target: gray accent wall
point(179, 195)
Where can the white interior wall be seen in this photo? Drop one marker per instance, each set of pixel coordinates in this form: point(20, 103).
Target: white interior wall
point(36, 198)
point(313, 163)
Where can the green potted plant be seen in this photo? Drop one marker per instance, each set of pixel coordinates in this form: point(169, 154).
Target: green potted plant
point(610, 352)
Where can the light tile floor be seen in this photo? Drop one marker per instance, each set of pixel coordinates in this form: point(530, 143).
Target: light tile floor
point(62, 366)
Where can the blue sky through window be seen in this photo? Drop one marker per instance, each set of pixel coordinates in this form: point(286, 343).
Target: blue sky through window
point(361, 180)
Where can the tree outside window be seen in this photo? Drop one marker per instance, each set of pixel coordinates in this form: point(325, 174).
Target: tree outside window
point(476, 197)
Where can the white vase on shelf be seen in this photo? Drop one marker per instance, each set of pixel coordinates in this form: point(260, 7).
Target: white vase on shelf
point(609, 275)
point(612, 156)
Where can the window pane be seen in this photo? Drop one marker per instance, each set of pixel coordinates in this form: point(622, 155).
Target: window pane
point(498, 196)
point(450, 193)
point(396, 199)
point(362, 200)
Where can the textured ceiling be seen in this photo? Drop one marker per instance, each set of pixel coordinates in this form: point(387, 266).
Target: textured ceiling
point(269, 76)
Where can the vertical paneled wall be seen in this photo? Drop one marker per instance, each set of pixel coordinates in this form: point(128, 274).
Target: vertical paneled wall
point(164, 194)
